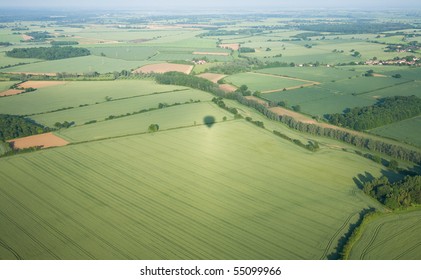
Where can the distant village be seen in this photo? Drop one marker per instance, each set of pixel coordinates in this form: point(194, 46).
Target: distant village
point(409, 61)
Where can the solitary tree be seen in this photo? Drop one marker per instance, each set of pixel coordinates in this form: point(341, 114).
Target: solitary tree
point(153, 128)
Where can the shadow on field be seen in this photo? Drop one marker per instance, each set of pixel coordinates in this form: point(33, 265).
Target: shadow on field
point(209, 121)
point(361, 179)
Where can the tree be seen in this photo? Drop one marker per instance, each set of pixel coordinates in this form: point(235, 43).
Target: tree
point(153, 128)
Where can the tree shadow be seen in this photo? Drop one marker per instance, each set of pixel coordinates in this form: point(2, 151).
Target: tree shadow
point(343, 241)
point(361, 179)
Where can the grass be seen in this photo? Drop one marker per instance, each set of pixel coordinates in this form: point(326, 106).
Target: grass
point(232, 191)
point(261, 82)
point(390, 237)
point(99, 112)
point(408, 131)
point(74, 94)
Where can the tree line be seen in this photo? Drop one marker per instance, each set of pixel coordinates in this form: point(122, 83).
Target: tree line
point(386, 111)
point(401, 194)
point(48, 53)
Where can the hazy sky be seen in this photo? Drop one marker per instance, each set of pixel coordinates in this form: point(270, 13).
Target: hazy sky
point(197, 4)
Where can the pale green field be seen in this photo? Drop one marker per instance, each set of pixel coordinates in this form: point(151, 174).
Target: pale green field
point(261, 82)
point(74, 94)
point(186, 115)
point(392, 237)
point(318, 74)
point(233, 191)
point(5, 85)
point(130, 53)
point(99, 112)
point(408, 131)
point(79, 65)
point(6, 61)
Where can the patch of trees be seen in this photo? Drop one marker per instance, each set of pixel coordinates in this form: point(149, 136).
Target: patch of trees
point(218, 32)
point(385, 111)
point(64, 43)
point(257, 123)
point(64, 124)
point(181, 79)
point(355, 27)
point(244, 90)
point(401, 194)
point(312, 146)
point(5, 44)
point(39, 36)
point(48, 53)
point(246, 50)
point(306, 35)
point(7, 149)
point(12, 126)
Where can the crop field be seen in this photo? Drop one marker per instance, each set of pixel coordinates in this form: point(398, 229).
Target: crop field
point(165, 67)
point(319, 74)
point(318, 101)
point(130, 53)
point(204, 207)
point(74, 94)
point(100, 111)
point(392, 237)
point(6, 61)
point(5, 86)
point(78, 65)
point(263, 82)
point(187, 115)
point(364, 84)
point(133, 169)
point(408, 131)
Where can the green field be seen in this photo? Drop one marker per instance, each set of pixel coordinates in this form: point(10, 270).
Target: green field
point(391, 237)
point(79, 65)
point(262, 82)
point(5, 86)
point(318, 74)
point(99, 112)
point(337, 95)
point(207, 183)
point(74, 94)
point(408, 131)
point(231, 191)
point(187, 115)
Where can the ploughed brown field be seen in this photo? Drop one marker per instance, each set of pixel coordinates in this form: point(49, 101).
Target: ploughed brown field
point(44, 140)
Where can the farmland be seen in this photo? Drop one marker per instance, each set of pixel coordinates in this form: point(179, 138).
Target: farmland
point(402, 130)
point(262, 82)
point(235, 155)
point(74, 94)
point(270, 216)
point(392, 237)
